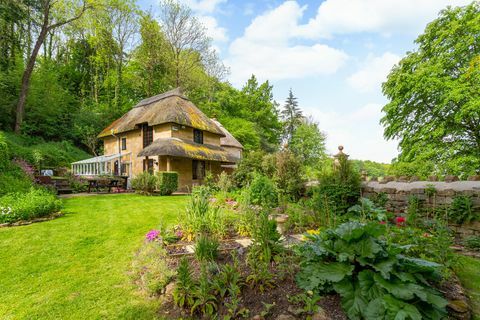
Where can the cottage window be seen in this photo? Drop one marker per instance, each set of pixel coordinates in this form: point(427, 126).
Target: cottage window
point(198, 136)
point(125, 169)
point(198, 169)
point(124, 143)
point(147, 135)
point(148, 165)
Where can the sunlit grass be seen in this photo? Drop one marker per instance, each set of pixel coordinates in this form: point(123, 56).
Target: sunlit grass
point(469, 273)
point(76, 267)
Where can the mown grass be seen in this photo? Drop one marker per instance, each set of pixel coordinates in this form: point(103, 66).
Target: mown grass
point(76, 267)
point(468, 271)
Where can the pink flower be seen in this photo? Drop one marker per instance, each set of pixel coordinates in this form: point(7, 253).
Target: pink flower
point(179, 233)
point(382, 222)
point(152, 235)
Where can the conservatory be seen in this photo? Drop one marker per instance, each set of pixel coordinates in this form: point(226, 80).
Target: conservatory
point(114, 164)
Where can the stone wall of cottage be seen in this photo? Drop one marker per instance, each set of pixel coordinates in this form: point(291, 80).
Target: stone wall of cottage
point(398, 192)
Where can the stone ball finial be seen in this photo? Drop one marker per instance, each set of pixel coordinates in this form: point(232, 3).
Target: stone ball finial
point(340, 148)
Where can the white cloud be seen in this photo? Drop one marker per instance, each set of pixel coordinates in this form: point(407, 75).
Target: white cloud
point(265, 49)
point(379, 16)
point(359, 132)
point(203, 6)
point(373, 72)
point(214, 31)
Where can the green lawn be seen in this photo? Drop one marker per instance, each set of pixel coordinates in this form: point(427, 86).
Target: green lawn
point(469, 274)
point(75, 267)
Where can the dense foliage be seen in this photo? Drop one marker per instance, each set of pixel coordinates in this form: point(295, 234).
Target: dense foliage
point(92, 70)
point(434, 96)
point(374, 279)
point(167, 182)
point(144, 183)
point(263, 192)
point(35, 203)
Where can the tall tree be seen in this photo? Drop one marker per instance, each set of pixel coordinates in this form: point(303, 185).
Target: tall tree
point(434, 94)
point(291, 115)
point(190, 47)
point(47, 21)
point(308, 143)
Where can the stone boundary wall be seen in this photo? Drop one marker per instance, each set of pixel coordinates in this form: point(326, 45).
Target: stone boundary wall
point(398, 193)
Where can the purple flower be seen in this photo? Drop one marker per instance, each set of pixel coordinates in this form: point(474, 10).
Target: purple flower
point(179, 233)
point(152, 235)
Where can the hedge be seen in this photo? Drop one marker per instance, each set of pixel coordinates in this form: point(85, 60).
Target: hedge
point(167, 182)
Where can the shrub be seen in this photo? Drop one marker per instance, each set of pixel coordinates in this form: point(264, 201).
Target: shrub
point(144, 183)
point(461, 210)
point(224, 182)
point(373, 278)
point(289, 176)
point(36, 203)
point(167, 182)
point(472, 242)
point(301, 218)
point(150, 268)
point(262, 192)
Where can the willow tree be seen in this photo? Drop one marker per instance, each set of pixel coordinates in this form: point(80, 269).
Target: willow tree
point(434, 94)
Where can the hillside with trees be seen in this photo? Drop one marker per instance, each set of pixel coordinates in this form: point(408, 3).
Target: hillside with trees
point(67, 78)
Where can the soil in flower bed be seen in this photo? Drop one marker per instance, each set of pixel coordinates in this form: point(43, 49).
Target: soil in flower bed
point(253, 299)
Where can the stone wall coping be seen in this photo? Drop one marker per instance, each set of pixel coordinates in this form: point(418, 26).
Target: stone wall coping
point(439, 185)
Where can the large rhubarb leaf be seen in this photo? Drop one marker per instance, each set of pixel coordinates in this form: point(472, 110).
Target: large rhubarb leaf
point(354, 303)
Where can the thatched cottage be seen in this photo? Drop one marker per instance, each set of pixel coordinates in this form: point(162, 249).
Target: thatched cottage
point(166, 132)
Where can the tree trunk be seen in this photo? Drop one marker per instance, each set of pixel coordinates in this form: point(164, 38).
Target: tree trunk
point(27, 74)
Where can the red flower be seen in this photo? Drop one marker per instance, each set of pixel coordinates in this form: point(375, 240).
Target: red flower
point(400, 221)
point(382, 222)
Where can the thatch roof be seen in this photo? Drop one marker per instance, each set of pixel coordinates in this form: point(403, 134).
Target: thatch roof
point(229, 140)
point(169, 107)
point(187, 149)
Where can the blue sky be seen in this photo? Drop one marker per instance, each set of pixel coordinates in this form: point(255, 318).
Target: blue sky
point(334, 54)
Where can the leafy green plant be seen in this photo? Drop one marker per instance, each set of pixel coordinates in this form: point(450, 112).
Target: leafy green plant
point(461, 210)
point(224, 182)
point(265, 237)
point(308, 302)
point(472, 243)
point(203, 218)
point(167, 182)
point(368, 211)
point(36, 203)
point(144, 183)
point(206, 248)
point(265, 245)
point(150, 268)
point(262, 192)
point(301, 218)
point(183, 292)
point(380, 199)
point(374, 279)
point(413, 210)
point(204, 301)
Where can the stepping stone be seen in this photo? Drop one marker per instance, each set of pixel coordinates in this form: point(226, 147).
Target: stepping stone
point(244, 242)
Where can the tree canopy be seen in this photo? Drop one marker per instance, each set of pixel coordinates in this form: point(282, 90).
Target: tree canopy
point(96, 67)
point(434, 95)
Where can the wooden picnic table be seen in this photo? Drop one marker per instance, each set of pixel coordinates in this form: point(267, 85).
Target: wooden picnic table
point(105, 182)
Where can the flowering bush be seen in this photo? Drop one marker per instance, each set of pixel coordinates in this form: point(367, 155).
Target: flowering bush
point(400, 221)
point(152, 235)
point(35, 203)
